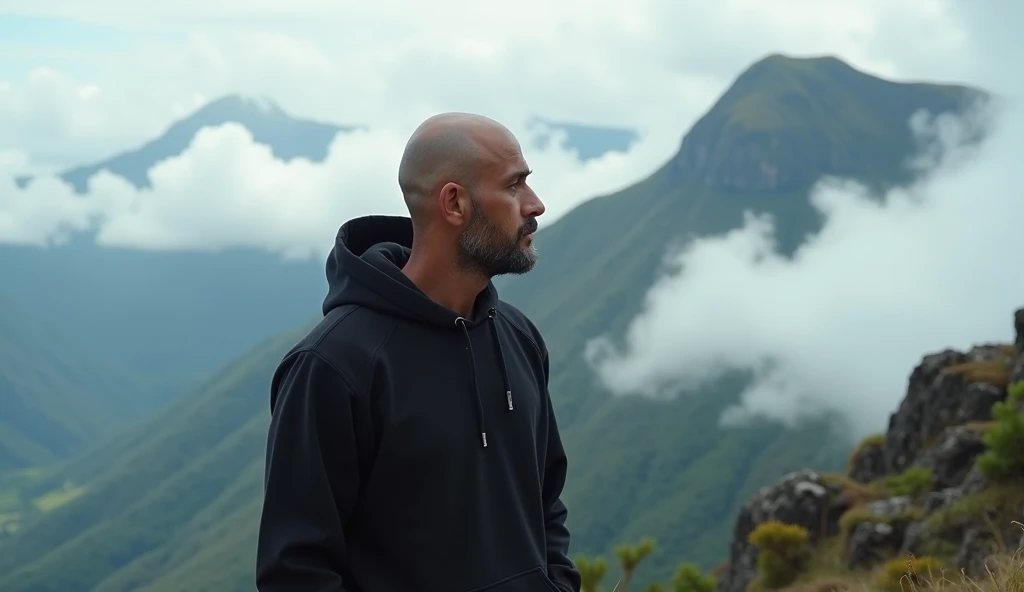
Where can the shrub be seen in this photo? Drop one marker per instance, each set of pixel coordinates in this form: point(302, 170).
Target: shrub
point(592, 571)
point(906, 573)
point(1005, 440)
point(688, 578)
point(783, 552)
point(911, 482)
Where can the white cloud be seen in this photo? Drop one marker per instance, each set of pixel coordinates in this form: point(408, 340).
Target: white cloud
point(227, 191)
point(653, 65)
point(840, 326)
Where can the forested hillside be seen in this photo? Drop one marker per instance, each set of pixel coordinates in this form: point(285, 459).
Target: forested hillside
point(173, 505)
point(57, 396)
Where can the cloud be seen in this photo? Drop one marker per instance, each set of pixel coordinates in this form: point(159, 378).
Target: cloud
point(227, 191)
point(654, 66)
point(839, 327)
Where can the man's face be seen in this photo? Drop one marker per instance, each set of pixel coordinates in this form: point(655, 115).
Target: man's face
point(486, 248)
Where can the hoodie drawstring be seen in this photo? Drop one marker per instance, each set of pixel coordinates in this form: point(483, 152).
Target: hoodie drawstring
point(460, 321)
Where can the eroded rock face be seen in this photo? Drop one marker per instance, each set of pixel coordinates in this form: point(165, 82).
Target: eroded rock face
point(874, 540)
point(952, 456)
point(1018, 326)
point(869, 464)
point(803, 498)
point(936, 399)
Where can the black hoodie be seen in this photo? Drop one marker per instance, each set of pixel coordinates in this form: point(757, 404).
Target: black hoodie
point(410, 449)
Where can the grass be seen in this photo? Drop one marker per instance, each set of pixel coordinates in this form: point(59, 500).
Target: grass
point(854, 492)
point(994, 372)
point(58, 497)
point(858, 514)
point(827, 572)
point(1003, 500)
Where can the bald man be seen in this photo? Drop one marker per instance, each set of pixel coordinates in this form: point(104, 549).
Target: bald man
point(412, 444)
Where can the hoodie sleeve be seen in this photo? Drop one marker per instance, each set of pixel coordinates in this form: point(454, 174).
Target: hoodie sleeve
point(318, 433)
point(561, 569)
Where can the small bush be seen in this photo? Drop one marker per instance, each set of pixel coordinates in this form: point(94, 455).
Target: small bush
point(1004, 458)
point(688, 578)
point(783, 552)
point(906, 573)
point(592, 571)
point(912, 482)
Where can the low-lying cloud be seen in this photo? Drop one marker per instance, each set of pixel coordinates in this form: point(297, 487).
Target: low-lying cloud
point(839, 327)
point(227, 191)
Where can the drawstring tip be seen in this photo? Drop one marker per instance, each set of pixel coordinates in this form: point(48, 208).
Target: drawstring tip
point(483, 437)
point(508, 395)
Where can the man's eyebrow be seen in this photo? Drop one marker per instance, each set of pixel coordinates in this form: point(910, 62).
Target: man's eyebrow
point(519, 175)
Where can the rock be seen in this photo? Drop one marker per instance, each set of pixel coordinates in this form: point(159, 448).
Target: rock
point(873, 540)
point(869, 463)
point(1017, 370)
point(1018, 326)
point(937, 399)
point(952, 457)
point(976, 547)
point(802, 498)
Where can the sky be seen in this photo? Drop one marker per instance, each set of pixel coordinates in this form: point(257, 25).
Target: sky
point(842, 325)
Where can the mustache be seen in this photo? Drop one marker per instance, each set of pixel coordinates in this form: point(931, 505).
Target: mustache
point(529, 228)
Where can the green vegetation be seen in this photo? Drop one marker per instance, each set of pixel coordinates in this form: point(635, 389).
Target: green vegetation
point(173, 503)
point(912, 482)
point(57, 396)
point(782, 553)
point(1004, 458)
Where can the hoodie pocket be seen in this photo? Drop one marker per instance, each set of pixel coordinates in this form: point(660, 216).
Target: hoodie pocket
point(534, 579)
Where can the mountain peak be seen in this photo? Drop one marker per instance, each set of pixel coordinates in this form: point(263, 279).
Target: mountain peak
point(786, 121)
point(288, 137)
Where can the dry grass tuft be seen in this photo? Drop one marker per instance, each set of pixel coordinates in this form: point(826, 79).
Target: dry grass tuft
point(994, 372)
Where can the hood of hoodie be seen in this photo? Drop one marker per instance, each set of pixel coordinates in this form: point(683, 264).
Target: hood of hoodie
point(365, 268)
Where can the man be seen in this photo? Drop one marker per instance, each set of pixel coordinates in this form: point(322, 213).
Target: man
point(413, 447)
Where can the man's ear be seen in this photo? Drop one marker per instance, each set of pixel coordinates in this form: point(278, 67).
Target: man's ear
point(455, 204)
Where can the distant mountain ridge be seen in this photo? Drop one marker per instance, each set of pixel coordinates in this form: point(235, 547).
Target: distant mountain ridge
point(287, 137)
point(173, 505)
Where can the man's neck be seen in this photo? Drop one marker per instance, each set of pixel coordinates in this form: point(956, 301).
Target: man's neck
point(444, 284)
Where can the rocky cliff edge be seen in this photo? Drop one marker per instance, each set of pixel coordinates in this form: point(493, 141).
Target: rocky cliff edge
point(938, 497)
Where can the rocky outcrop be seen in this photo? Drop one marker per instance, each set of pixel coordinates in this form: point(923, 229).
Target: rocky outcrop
point(868, 464)
point(803, 498)
point(903, 489)
point(944, 390)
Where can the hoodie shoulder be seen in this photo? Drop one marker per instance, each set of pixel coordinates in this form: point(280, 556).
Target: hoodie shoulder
point(525, 326)
point(349, 338)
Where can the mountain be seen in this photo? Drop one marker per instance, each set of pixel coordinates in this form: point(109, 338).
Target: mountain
point(172, 505)
point(56, 395)
point(177, 316)
point(286, 136)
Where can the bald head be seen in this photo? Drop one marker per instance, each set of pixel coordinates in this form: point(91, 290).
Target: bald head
point(449, 148)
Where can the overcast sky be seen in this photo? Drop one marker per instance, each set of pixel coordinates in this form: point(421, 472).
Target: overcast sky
point(80, 81)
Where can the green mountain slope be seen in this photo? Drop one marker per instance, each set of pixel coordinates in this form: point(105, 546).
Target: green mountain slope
point(141, 515)
point(55, 395)
point(173, 505)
